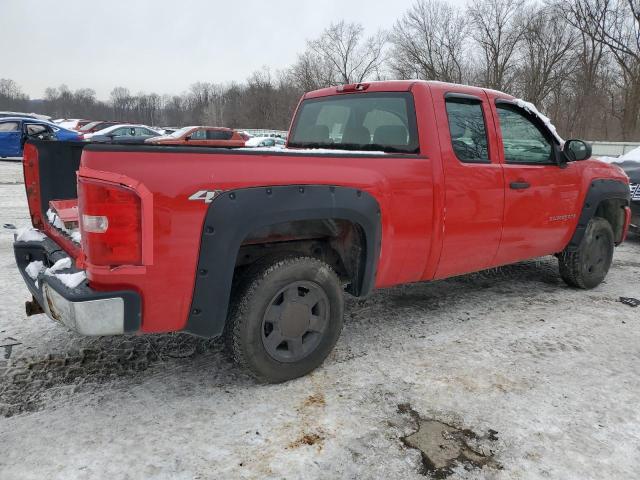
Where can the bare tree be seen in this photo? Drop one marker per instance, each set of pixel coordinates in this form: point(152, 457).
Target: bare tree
point(547, 51)
point(351, 58)
point(11, 95)
point(312, 71)
point(121, 101)
point(498, 30)
point(430, 42)
point(616, 25)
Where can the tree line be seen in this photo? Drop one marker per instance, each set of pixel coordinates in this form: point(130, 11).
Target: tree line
point(577, 60)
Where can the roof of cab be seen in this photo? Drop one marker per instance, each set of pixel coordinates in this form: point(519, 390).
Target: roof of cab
point(397, 86)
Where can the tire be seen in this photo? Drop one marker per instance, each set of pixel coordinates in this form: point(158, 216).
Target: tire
point(587, 266)
point(272, 331)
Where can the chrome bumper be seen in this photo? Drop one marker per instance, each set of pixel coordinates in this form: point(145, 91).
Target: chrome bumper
point(89, 317)
point(82, 309)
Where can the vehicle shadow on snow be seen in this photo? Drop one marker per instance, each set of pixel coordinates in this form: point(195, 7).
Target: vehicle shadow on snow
point(29, 384)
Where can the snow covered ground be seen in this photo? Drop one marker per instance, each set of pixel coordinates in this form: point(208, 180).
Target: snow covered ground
point(546, 376)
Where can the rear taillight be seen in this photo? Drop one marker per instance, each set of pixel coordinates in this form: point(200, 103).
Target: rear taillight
point(110, 223)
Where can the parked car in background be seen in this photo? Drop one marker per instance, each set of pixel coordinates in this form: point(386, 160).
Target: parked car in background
point(27, 115)
point(96, 126)
point(123, 133)
point(167, 130)
point(15, 131)
point(72, 123)
point(201, 136)
point(265, 142)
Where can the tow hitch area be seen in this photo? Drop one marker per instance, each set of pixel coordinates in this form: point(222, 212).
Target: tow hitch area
point(32, 307)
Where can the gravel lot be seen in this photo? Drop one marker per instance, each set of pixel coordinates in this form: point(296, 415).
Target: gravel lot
point(509, 371)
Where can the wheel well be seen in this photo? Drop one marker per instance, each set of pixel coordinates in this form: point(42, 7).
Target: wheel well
point(612, 210)
point(340, 243)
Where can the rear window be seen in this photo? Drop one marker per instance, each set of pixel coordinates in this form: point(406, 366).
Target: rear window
point(9, 127)
point(219, 134)
point(362, 121)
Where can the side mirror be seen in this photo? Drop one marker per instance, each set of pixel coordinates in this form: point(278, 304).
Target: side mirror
point(576, 150)
point(188, 137)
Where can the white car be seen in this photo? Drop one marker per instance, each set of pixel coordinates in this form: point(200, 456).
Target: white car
point(265, 142)
point(122, 131)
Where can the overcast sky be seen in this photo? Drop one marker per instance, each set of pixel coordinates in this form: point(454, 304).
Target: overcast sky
point(163, 46)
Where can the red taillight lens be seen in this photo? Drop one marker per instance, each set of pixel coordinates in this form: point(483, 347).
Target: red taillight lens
point(110, 223)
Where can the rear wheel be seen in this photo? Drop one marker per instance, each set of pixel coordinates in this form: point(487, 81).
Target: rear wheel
point(286, 317)
point(588, 265)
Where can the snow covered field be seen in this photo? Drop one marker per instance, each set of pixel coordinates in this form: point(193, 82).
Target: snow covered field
point(542, 380)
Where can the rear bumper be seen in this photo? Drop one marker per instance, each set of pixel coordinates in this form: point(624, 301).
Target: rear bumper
point(82, 309)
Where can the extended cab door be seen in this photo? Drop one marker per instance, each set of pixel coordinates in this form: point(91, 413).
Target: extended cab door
point(542, 194)
point(10, 139)
point(473, 180)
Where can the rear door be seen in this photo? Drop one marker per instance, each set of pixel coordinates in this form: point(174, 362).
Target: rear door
point(10, 139)
point(474, 183)
point(541, 200)
point(198, 137)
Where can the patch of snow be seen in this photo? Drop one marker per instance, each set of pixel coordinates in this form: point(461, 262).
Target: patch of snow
point(30, 234)
point(57, 222)
point(632, 156)
point(531, 108)
point(71, 280)
point(61, 264)
point(312, 151)
point(34, 269)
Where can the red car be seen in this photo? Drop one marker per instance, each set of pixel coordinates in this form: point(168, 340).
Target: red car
point(201, 136)
point(96, 126)
point(382, 184)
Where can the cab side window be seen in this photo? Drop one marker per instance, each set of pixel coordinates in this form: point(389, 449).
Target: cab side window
point(199, 135)
point(219, 134)
point(34, 129)
point(120, 132)
point(523, 141)
point(467, 129)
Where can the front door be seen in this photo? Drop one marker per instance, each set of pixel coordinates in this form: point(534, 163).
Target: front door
point(541, 200)
point(474, 183)
point(10, 139)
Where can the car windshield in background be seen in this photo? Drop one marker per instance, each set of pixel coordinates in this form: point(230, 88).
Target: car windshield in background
point(180, 132)
point(372, 122)
point(89, 126)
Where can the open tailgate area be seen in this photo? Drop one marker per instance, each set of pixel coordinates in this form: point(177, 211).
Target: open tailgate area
point(51, 186)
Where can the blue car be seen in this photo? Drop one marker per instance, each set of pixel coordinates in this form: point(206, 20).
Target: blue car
point(14, 131)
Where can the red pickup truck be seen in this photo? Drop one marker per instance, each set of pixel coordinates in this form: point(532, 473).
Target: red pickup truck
point(381, 184)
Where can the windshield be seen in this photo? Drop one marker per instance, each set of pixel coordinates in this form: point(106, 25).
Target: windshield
point(89, 126)
point(179, 133)
point(371, 121)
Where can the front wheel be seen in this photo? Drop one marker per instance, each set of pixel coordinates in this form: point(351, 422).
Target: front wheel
point(587, 266)
point(286, 318)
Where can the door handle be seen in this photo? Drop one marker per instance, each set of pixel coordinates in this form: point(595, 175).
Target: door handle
point(519, 185)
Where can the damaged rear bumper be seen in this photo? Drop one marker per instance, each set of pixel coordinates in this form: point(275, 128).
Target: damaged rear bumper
point(82, 309)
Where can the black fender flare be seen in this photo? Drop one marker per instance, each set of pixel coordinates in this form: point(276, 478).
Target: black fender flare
point(599, 190)
point(233, 214)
